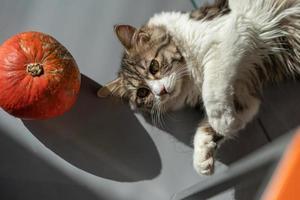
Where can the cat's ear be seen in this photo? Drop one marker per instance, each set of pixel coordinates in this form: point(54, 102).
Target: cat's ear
point(125, 34)
point(113, 88)
point(142, 37)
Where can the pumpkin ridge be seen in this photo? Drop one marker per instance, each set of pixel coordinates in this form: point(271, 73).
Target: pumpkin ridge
point(45, 57)
point(39, 78)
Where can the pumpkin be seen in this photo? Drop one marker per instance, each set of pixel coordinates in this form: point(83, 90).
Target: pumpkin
point(39, 78)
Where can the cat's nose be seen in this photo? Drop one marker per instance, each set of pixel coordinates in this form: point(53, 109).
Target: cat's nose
point(162, 91)
point(157, 88)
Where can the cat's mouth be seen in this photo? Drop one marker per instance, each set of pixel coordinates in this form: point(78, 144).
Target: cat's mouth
point(168, 95)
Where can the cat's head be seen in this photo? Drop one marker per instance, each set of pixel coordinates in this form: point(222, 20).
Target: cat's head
point(153, 70)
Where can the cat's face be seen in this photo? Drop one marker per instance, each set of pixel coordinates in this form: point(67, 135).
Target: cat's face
point(152, 72)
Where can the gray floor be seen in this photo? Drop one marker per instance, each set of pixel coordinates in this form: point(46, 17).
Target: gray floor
point(100, 149)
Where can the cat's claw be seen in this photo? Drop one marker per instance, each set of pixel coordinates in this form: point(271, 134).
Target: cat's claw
point(204, 149)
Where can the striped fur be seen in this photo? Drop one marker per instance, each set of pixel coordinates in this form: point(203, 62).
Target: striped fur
point(279, 47)
point(134, 71)
point(276, 47)
point(211, 11)
point(220, 55)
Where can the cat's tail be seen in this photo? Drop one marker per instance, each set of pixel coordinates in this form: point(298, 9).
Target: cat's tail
point(281, 35)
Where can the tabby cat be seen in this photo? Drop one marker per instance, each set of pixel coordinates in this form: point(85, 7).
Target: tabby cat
point(219, 56)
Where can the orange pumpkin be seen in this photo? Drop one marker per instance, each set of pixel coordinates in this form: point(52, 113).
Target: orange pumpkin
point(39, 78)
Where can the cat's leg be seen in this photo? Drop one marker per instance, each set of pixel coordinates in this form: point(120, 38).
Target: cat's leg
point(229, 105)
point(246, 101)
point(218, 96)
point(231, 60)
point(205, 144)
point(207, 139)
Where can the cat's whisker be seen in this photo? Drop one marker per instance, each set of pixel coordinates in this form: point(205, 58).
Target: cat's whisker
point(156, 118)
point(159, 119)
point(154, 115)
point(157, 115)
point(181, 72)
point(163, 112)
point(167, 114)
point(161, 115)
point(181, 76)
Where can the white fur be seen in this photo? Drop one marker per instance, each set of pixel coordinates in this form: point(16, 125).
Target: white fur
point(204, 148)
point(216, 49)
point(200, 43)
point(167, 83)
point(217, 52)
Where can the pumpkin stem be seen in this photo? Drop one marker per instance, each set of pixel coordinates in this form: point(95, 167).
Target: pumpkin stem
point(34, 69)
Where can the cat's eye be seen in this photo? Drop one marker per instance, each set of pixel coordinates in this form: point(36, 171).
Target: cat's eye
point(142, 92)
point(154, 67)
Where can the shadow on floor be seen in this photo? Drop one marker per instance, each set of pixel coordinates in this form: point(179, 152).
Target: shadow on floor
point(183, 124)
point(100, 136)
point(23, 175)
point(279, 113)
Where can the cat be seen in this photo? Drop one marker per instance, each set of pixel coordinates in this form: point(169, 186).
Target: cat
point(219, 56)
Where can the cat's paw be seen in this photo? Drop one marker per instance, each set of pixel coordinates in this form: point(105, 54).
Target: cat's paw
point(223, 119)
point(204, 148)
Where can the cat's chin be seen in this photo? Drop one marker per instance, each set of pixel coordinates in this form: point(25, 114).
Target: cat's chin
point(167, 97)
point(172, 95)
point(169, 102)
